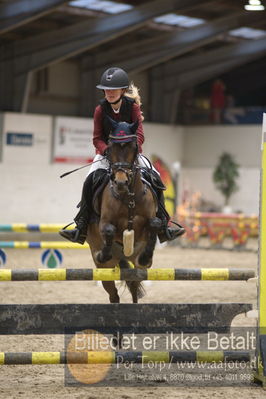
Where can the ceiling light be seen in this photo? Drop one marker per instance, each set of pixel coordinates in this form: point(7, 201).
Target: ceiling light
point(110, 7)
point(254, 5)
point(179, 20)
point(248, 33)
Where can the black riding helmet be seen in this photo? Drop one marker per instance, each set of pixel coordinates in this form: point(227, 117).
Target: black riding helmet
point(114, 78)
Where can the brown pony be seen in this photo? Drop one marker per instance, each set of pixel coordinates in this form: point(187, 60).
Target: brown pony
point(128, 225)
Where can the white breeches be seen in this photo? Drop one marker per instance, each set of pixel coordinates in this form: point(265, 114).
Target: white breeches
point(102, 163)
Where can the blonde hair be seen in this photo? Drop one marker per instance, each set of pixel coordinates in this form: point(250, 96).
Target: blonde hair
point(133, 92)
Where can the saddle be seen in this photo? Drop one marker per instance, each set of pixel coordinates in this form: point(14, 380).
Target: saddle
point(152, 178)
point(101, 178)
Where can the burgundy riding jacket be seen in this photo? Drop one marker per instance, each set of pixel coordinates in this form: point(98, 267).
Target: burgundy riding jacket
point(129, 112)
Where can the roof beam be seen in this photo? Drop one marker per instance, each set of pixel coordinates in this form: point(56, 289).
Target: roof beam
point(153, 46)
point(188, 40)
point(192, 78)
point(119, 54)
point(20, 12)
point(75, 39)
point(188, 68)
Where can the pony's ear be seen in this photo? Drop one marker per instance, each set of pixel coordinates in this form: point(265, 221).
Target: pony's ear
point(133, 126)
point(114, 124)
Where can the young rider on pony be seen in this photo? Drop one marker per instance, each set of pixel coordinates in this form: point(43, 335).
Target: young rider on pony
point(121, 103)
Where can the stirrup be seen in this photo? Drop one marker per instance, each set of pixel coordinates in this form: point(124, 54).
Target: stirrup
point(170, 234)
point(75, 235)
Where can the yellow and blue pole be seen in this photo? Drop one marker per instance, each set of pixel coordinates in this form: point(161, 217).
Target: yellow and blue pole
point(24, 228)
point(42, 244)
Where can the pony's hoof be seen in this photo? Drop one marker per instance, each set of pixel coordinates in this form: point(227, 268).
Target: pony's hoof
point(143, 262)
point(101, 258)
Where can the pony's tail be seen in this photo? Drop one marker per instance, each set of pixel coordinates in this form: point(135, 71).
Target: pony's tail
point(131, 285)
point(133, 92)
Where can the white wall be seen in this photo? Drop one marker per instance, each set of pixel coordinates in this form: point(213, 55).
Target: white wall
point(165, 141)
point(202, 147)
point(31, 190)
point(204, 144)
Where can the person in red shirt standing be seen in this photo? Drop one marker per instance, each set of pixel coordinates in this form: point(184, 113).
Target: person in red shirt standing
point(121, 103)
point(217, 101)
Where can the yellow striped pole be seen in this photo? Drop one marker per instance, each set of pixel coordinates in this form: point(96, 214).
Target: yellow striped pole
point(116, 274)
point(110, 357)
point(262, 263)
point(261, 344)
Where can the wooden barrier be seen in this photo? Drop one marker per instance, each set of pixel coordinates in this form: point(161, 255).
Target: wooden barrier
point(125, 318)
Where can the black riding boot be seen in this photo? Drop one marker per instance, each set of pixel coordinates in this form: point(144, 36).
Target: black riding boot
point(79, 233)
point(167, 233)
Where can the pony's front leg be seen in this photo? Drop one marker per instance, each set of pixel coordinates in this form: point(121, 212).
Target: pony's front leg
point(145, 258)
point(107, 231)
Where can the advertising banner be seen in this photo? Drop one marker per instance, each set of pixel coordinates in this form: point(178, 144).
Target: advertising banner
point(73, 140)
point(26, 139)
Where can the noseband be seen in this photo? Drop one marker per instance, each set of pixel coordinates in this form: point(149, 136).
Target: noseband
point(125, 167)
point(121, 165)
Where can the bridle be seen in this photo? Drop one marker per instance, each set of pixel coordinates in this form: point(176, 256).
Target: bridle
point(126, 167)
point(128, 198)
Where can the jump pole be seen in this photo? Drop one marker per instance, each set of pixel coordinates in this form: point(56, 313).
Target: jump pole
point(42, 245)
point(261, 341)
point(219, 274)
point(120, 357)
point(33, 228)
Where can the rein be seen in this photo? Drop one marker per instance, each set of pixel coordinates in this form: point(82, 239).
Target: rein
point(130, 200)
